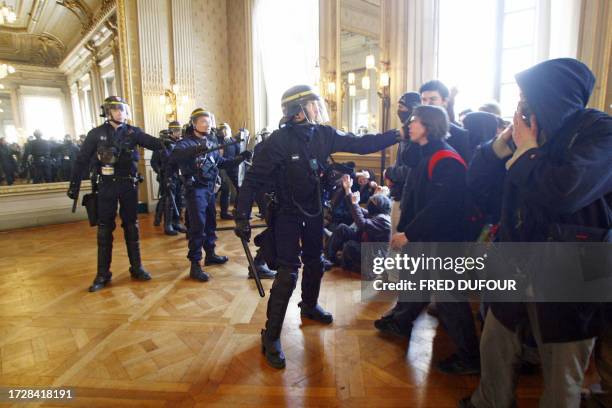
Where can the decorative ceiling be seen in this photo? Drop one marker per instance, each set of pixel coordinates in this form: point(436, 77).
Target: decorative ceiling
point(46, 30)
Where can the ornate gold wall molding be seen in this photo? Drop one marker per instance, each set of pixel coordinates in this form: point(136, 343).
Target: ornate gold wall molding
point(595, 48)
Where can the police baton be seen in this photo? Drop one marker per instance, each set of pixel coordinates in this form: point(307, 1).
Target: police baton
point(252, 267)
point(74, 203)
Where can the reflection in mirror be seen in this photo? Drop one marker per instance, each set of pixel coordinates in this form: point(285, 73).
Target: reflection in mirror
point(359, 65)
point(359, 85)
point(66, 63)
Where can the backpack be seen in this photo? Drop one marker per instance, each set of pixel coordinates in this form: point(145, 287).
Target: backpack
point(475, 220)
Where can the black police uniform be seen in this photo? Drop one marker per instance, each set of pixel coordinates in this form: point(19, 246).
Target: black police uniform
point(8, 164)
point(229, 153)
point(199, 171)
point(40, 150)
point(113, 152)
point(67, 153)
point(170, 201)
point(293, 157)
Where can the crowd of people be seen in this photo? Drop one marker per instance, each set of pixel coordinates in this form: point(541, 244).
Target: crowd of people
point(39, 160)
point(552, 164)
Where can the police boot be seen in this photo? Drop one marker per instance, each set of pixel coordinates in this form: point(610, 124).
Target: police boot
point(105, 253)
point(213, 259)
point(316, 313)
point(272, 349)
point(311, 285)
point(262, 268)
point(168, 218)
point(159, 209)
point(133, 249)
point(281, 291)
point(179, 227)
point(196, 272)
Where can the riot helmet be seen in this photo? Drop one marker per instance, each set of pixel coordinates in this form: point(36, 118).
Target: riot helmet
point(304, 99)
point(117, 104)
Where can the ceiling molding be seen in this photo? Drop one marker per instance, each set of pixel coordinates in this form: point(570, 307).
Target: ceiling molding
point(80, 10)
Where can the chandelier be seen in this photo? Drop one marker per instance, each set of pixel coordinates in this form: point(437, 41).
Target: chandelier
point(6, 69)
point(7, 15)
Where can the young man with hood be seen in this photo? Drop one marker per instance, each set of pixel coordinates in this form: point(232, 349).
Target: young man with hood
point(560, 173)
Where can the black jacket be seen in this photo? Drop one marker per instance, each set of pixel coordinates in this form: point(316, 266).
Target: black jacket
point(563, 181)
point(293, 155)
point(481, 127)
point(375, 228)
point(434, 210)
point(124, 140)
point(198, 169)
point(459, 140)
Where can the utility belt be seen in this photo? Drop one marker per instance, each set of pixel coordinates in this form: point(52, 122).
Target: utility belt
point(41, 159)
point(114, 179)
point(191, 183)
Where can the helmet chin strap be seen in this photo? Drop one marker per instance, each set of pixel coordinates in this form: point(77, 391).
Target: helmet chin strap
point(115, 122)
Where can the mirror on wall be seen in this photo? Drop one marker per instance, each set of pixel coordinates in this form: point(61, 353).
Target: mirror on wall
point(359, 62)
point(59, 62)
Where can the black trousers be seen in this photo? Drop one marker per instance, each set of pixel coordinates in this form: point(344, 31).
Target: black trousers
point(295, 235)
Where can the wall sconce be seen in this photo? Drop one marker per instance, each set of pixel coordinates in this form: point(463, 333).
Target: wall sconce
point(384, 92)
point(370, 62)
point(365, 82)
point(171, 103)
point(351, 78)
point(328, 89)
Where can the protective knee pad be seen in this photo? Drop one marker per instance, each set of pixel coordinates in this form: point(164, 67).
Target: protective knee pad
point(130, 231)
point(285, 282)
point(105, 233)
point(314, 267)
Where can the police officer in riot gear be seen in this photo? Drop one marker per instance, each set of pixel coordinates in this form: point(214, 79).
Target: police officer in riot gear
point(112, 148)
point(294, 157)
point(224, 133)
point(67, 155)
point(199, 169)
point(170, 200)
point(40, 150)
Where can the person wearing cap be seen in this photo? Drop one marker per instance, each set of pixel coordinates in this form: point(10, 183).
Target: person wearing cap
point(199, 169)
point(292, 159)
point(170, 200)
point(112, 148)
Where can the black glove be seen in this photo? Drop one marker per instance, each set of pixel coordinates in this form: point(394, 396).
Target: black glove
point(201, 149)
point(73, 190)
point(243, 229)
point(246, 155)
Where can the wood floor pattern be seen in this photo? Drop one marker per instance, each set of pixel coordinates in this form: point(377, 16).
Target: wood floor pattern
point(173, 342)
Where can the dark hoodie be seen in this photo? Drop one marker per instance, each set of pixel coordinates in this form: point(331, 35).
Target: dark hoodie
point(565, 180)
point(482, 127)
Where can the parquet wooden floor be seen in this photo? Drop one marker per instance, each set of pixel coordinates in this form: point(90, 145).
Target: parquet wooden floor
point(173, 342)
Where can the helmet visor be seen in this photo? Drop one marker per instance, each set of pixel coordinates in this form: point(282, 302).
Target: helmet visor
point(315, 111)
point(117, 106)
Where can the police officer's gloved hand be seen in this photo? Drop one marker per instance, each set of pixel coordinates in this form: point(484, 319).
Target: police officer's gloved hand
point(243, 229)
point(201, 149)
point(73, 190)
point(246, 155)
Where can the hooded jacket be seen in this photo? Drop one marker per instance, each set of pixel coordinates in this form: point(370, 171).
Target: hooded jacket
point(482, 127)
point(565, 180)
